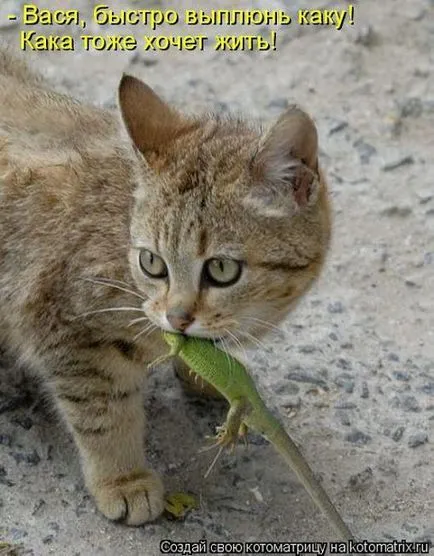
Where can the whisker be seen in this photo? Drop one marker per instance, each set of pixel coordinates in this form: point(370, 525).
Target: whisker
point(114, 280)
point(149, 328)
point(214, 461)
point(226, 352)
point(135, 321)
point(264, 323)
point(107, 282)
point(236, 341)
point(255, 340)
point(150, 332)
point(109, 309)
point(111, 280)
point(206, 449)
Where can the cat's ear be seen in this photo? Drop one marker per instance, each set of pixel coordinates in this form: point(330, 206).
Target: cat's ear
point(284, 171)
point(151, 123)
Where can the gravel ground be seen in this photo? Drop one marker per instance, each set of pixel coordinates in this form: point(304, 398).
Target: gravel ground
point(352, 372)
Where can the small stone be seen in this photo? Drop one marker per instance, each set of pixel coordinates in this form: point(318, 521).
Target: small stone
point(417, 439)
point(307, 349)
point(222, 107)
point(428, 388)
point(365, 391)
point(286, 388)
point(54, 526)
point(411, 107)
point(397, 163)
point(31, 458)
point(5, 440)
point(300, 376)
point(401, 375)
point(366, 151)
point(81, 507)
point(394, 210)
point(397, 434)
point(348, 386)
point(366, 36)
point(38, 506)
point(421, 72)
point(343, 364)
point(426, 537)
point(257, 439)
point(323, 404)
point(346, 382)
point(347, 345)
point(410, 528)
point(358, 437)
point(410, 403)
point(18, 534)
point(411, 283)
point(425, 198)
point(294, 403)
point(337, 126)
point(280, 103)
point(149, 62)
point(3, 480)
point(393, 357)
point(344, 418)
point(418, 14)
point(336, 307)
point(345, 405)
point(411, 365)
point(361, 480)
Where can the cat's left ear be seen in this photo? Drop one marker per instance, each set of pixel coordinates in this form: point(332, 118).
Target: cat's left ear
point(151, 123)
point(284, 171)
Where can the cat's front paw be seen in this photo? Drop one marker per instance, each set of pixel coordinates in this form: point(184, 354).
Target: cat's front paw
point(134, 498)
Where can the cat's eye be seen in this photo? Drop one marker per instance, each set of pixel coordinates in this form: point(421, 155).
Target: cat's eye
point(222, 272)
point(152, 265)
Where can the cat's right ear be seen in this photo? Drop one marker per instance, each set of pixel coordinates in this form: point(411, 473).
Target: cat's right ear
point(151, 123)
point(285, 168)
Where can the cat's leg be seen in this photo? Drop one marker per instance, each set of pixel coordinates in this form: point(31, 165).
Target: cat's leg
point(104, 410)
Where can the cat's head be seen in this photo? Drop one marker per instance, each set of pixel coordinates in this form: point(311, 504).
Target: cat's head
point(230, 225)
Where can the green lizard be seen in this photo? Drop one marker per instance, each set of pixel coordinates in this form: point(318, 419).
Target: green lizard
point(247, 409)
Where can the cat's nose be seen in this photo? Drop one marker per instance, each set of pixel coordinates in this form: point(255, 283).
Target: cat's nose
point(179, 318)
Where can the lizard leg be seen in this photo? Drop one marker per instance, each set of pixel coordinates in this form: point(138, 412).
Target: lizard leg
point(233, 428)
point(172, 353)
point(242, 433)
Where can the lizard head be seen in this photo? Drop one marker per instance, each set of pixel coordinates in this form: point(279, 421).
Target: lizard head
point(174, 340)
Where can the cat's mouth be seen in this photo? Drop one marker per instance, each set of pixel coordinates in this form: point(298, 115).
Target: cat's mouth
point(217, 340)
point(214, 336)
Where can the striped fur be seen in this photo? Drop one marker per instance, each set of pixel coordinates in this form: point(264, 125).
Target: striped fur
point(80, 190)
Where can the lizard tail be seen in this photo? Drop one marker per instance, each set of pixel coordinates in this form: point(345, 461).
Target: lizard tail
point(293, 457)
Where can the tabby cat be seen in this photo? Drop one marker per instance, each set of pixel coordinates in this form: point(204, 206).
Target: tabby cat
point(116, 224)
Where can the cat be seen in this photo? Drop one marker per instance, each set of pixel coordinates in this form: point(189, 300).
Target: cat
point(117, 224)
